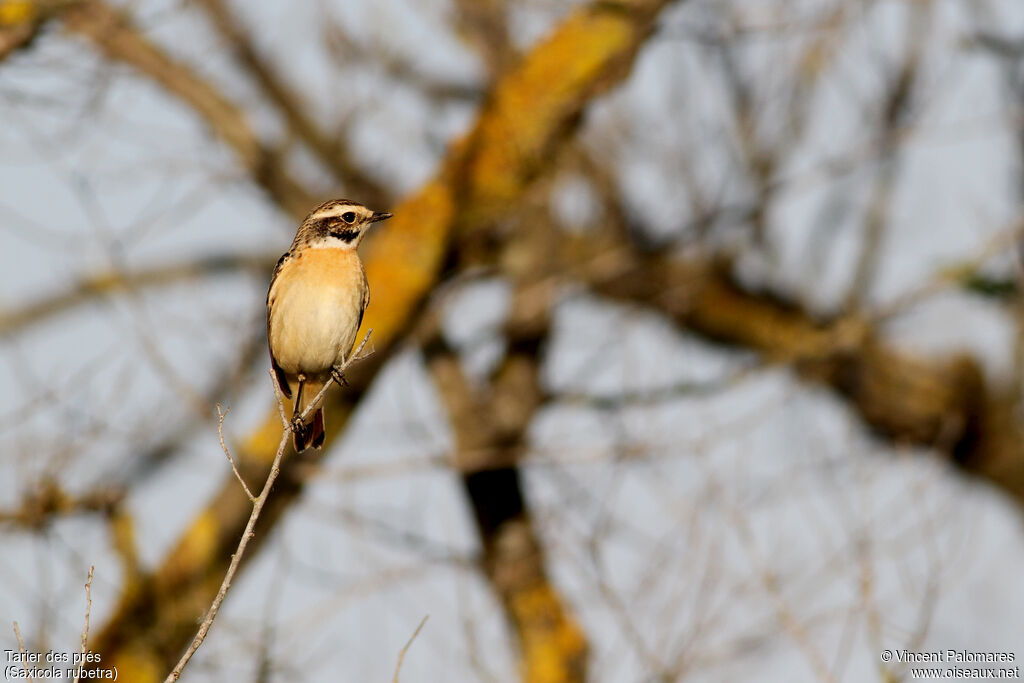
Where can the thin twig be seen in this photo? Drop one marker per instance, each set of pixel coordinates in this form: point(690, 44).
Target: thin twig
point(336, 374)
point(236, 559)
point(85, 629)
point(257, 508)
point(21, 649)
point(221, 414)
point(401, 655)
point(951, 275)
point(336, 371)
point(279, 393)
point(897, 108)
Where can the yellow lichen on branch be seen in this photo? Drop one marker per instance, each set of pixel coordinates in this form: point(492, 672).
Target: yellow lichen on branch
point(554, 647)
point(14, 12)
point(541, 100)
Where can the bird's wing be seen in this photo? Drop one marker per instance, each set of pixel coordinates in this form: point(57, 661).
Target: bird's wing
point(366, 298)
point(282, 380)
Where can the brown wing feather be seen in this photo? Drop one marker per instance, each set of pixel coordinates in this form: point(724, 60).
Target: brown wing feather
point(366, 298)
point(281, 378)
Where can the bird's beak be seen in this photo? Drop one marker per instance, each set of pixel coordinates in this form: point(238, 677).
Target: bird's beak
point(379, 216)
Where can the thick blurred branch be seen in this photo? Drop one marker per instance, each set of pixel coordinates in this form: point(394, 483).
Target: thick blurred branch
point(22, 20)
point(943, 403)
point(100, 285)
point(489, 419)
point(484, 25)
point(47, 501)
point(489, 424)
point(1001, 46)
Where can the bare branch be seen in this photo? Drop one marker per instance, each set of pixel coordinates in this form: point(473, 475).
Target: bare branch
point(22, 20)
point(18, 27)
point(85, 628)
point(483, 25)
point(21, 650)
point(897, 106)
point(47, 499)
point(942, 403)
point(337, 373)
point(279, 394)
point(236, 559)
point(257, 507)
point(401, 655)
point(102, 284)
point(221, 414)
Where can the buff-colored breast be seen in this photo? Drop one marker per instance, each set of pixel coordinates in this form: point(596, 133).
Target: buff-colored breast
point(315, 304)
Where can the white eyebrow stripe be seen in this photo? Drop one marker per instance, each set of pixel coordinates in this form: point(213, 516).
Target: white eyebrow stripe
point(333, 211)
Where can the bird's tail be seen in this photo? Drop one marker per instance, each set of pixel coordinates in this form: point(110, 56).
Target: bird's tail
point(312, 431)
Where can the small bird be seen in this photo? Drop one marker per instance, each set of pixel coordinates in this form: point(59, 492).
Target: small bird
point(317, 297)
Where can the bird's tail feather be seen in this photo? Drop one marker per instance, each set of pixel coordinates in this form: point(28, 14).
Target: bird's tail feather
point(311, 434)
point(312, 431)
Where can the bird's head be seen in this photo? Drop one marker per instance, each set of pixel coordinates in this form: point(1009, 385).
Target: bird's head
point(339, 223)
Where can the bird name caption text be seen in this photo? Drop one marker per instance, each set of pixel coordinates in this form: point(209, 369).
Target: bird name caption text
point(55, 665)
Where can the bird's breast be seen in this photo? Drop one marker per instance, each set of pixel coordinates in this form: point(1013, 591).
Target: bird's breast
point(315, 304)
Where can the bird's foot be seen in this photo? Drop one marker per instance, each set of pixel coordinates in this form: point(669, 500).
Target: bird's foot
point(339, 377)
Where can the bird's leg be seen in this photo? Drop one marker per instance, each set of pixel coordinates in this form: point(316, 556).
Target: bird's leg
point(338, 377)
point(298, 426)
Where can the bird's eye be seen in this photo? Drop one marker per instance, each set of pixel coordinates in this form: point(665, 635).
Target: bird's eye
point(348, 216)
